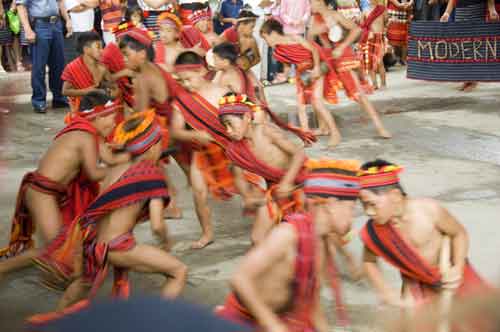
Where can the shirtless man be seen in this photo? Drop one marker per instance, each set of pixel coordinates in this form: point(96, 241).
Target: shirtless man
point(64, 183)
point(241, 35)
point(262, 148)
point(230, 75)
point(169, 46)
point(85, 73)
point(307, 57)
point(409, 233)
point(344, 57)
point(372, 46)
point(152, 86)
point(129, 190)
point(276, 286)
point(195, 122)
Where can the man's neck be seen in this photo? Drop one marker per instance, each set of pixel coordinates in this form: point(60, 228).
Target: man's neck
point(89, 61)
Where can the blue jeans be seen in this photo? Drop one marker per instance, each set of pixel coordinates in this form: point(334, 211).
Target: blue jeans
point(47, 50)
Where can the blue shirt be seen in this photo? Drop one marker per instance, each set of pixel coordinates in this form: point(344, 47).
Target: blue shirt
point(229, 9)
point(40, 8)
point(365, 5)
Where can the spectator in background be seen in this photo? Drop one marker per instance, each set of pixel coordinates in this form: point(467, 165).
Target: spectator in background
point(151, 9)
point(81, 13)
point(16, 44)
point(6, 36)
point(111, 12)
point(229, 11)
point(43, 28)
point(428, 10)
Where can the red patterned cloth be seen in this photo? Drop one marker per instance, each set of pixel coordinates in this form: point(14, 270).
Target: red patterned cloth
point(397, 29)
point(300, 316)
point(191, 37)
point(297, 54)
point(73, 199)
point(79, 76)
point(372, 52)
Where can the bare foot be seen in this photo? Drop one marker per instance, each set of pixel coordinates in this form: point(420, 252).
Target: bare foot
point(173, 213)
point(202, 243)
point(469, 86)
point(382, 132)
point(334, 141)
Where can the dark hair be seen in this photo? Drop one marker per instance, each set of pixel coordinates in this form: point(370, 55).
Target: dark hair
point(270, 26)
point(85, 39)
point(131, 11)
point(331, 3)
point(382, 163)
point(128, 41)
point(93, 99)
point(226, 51)
point(189, 58)
point(246, 16)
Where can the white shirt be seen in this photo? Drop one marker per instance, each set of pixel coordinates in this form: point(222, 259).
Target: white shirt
point(81, 21)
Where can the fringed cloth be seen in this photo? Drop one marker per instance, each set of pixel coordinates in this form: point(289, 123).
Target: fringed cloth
point(250, 91)
point(372, 52)
point(397, 29)
point(199, 114)
point(306, 285)
point(297, 54)
point(73, 199)
point(112, 59)
point(186, 11)
point(424, 279)
point(351, 12)
point(79, 76)
point(75, 252)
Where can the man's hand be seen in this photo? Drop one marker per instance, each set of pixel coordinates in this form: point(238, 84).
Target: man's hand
point(284, 190)
point(30, 35)
point(204, 138)
point(494, 15)
point(338, 51)
point(452, 278)
point(445, 18)
point(2, 19)
point(69, 29)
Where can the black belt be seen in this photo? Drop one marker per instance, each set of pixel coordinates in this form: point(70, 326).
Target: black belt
point(47, 19)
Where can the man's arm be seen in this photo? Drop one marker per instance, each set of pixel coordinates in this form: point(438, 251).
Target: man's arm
point(354, 32)
point(158, 227)
point(492, 10)
point(256, 263)
point(23, 16)
point(89, 158)
point(449, 8)
point(286, 185)
point(448, 225)
point(67, 19)
point(142, 93)
point(70, 91)
point(109, 158)
point(255, 59)
point(385, 292)
point(179, 132)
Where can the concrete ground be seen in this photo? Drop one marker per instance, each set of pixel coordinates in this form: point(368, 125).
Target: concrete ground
point(448, 141)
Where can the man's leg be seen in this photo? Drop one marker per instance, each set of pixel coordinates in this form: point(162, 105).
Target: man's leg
point(45, 214)
point(56, 63)
point(381, 72)
point(149, 259)
point(323, 113)
point(200, 195)
point(263, 224)
point(40, 56)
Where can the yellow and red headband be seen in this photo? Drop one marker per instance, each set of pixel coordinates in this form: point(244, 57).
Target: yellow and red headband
point(121, 29)
point(383, 176)
point(143, 137)
point(332, 178)
point(169, 19)
point(101, 110)
point(236, 104)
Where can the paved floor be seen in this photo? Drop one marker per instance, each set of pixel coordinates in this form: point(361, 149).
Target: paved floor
point(448, 141)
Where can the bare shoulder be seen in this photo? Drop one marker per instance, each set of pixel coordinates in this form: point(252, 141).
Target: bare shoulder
point(79, 137)
point(428, 207)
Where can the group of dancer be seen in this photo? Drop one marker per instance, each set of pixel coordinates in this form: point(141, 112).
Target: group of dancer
point(188, 96)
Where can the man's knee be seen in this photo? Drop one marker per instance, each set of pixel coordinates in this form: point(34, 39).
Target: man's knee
point(200, 193)
point(180, 271)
